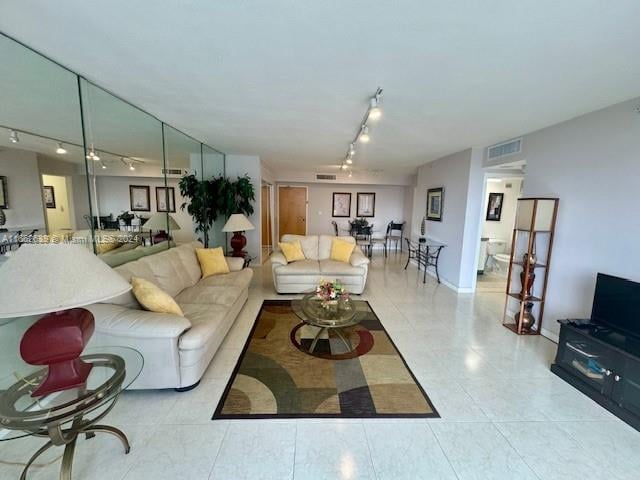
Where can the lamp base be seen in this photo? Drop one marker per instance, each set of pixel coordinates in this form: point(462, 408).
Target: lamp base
point(238, 242)
point(57, 340)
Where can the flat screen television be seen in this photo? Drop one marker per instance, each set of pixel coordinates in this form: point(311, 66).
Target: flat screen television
point(616, 304)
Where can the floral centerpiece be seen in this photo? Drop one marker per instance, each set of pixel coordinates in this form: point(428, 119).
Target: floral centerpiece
point(331, 293)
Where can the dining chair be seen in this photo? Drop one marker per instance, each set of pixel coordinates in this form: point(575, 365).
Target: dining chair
point(335, 227)
point(395, 233)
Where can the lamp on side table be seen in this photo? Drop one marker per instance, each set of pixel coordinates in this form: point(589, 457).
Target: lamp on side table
point(238, 224)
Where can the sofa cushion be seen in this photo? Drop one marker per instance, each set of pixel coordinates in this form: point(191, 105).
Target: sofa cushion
point(341, 250)
point(206, 320)
point(332, 267)
point(212, 261)
point(153, 298)
point(324, 245)
point(173, 269)
point(309, 244)
point(209, 295)
point(240, 279)
point(292, 251)
point(302, 267)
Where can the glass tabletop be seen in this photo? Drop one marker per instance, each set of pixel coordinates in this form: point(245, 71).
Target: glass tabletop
point(430, 242)
point(113, 370)
point(310, 309)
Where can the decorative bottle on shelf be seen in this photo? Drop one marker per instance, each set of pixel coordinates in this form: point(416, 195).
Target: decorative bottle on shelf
point(423, 226)
point(528, 320)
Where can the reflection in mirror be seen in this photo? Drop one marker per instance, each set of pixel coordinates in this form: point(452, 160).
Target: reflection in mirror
point(213, 166)
point(43, 183)
point(125, 162)
point(183, 157)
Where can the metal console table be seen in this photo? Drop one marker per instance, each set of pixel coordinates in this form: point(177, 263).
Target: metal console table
point(426, 253)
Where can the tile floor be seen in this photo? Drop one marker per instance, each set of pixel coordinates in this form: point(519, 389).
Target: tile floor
point(504, 415)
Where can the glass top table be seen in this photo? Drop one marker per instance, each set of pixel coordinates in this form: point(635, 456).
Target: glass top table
point(63, 416)
point(336, 316)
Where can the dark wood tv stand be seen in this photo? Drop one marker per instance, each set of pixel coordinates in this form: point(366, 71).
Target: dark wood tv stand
point(602, 363)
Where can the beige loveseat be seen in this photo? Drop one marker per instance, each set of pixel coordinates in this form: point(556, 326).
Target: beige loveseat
point(303, 275)
point(176, 350)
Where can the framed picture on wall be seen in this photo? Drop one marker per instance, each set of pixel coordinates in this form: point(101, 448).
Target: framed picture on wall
point(366, 204)
point(435, 202)
point(4, 199)
point(49, 196)
point(341, 204)
point(140, 198)
point(166, 199)
point(494, 206)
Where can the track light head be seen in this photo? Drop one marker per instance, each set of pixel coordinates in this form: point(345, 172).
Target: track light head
point(103, 166)
point(132, 166)
point(61, 150)
point(375, 112)
point(350, 173)
point(349, 160)
point(344, 166)
point(364, 134)
point(352, 149)
point(96, 157)
point(13, 136)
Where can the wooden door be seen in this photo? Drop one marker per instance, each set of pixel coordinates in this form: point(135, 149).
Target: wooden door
point(266, 217)
point(292, 210)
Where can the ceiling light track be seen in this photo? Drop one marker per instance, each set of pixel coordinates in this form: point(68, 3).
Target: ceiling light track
point(373, 113)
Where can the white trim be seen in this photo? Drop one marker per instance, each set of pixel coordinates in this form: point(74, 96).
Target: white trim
point(443, 281)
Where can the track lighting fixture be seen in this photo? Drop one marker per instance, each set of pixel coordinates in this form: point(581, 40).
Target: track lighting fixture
point(352, 150)
point(364, 134)
point(13, 136)
point(344, 166)
point(103, 166)
point(61, 150)
point(375, 112)
point(132, 166)
point(93, 154)
point(349, 160)
point(350, 173)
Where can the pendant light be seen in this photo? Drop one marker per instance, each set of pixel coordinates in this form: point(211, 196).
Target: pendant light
point(61, 150)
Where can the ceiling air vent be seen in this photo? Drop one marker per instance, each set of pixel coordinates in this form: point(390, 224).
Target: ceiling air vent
point(503, 149)
point(324, 176)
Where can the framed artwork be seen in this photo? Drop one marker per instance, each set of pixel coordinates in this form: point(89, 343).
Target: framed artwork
point(435, 202)
point(49, 196)
point(140, 198)
point(4, 199)
point(494, 206)
point(341, 204)
point(366, 204)
point(164, 195)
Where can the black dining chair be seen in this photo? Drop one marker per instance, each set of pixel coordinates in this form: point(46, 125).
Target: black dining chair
point(395, 233)
point(335, 227)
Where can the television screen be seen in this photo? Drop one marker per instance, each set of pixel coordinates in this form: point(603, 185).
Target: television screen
point(616, 304)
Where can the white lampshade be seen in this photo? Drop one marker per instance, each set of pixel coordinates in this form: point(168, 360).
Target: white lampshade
point(158, 221)
point(48, 278)
point(237, 223)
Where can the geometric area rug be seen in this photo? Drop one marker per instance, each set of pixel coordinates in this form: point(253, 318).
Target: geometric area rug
point(276, 376)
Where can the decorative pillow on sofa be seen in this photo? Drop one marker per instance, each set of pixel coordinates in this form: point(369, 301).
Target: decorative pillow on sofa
point(153, 298)
point(292, 251)
point(341, 251)
point(212, 261)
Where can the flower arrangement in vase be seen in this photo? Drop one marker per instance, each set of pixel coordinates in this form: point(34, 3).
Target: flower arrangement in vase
point(331, 293)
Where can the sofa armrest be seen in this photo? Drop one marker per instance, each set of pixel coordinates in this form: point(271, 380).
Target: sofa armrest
point(277, 258)
point(358, 259)
point(127, 322)
point(235, 263)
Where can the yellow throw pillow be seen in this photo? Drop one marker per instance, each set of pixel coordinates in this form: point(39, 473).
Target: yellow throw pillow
point(153, 298)
point(292, 251)
point(212, 261)
point(341, 250)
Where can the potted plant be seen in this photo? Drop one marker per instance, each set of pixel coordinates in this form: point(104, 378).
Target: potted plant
point(237, 197)
point(203, 196)
point(126, 217)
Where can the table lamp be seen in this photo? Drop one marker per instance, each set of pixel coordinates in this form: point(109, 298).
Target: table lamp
point(238, 224)
point(158, 221)
point(56, 280)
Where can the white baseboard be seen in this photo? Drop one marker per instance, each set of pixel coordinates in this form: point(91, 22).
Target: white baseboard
point(445, 282)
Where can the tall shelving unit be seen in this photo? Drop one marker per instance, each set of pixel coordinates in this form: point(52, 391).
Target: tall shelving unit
point(531, 247)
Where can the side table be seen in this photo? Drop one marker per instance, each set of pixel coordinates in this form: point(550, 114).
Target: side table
point(64, 416)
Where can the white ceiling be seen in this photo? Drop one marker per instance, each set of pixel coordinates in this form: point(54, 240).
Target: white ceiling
point(289, 80)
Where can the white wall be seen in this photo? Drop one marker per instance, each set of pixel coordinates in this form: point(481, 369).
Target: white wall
point(504, 228)
point(461, 176)
point(237, 166)
point(592, 163)
point(26, 210)
point(390, 205)
point(113, 198)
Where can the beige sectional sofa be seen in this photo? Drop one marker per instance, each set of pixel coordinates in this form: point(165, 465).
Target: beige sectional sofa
point(304, 275)
point(176, 350)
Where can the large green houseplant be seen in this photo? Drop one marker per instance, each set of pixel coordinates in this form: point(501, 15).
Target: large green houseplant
point(208, 199)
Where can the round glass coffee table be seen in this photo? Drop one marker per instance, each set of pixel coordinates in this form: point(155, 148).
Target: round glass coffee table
point(333, 318)
point(64, 416)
